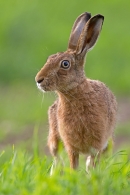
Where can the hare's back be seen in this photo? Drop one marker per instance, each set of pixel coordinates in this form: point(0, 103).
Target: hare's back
point(103, 96)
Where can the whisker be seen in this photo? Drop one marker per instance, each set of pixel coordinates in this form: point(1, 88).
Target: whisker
point(55, 94)
point(42, 100)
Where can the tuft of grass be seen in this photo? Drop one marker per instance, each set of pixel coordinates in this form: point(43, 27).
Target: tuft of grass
point(26, 174)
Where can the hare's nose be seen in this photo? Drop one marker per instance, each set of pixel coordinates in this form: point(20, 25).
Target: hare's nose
point(40, 80)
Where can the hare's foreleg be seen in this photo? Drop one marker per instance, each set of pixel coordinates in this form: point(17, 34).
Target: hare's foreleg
point(53, 142)
point(53, 146)
point(53, 137)
point(92, 161)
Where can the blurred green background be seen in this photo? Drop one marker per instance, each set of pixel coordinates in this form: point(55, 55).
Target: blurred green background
point(30, 30)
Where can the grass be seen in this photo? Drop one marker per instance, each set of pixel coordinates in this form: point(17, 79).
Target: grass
point(30, 31)
point(24, 169)
point(25, 174)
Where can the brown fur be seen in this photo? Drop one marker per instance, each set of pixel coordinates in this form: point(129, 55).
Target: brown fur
point(84, 115)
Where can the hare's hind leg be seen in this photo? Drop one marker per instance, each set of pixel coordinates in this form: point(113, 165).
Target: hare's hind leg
point(92, 161)
point(74, 159)
point(53, 137)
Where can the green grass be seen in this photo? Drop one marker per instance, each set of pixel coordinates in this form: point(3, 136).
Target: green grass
point(24, 174)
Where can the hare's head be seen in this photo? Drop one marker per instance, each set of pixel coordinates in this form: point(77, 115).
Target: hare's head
point(65, 70)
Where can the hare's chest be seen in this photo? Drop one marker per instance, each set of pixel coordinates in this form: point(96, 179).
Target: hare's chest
point(78, 127)
point(71, 115)
point(72, 124)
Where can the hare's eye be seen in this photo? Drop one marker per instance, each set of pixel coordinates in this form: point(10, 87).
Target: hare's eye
point(65, 64)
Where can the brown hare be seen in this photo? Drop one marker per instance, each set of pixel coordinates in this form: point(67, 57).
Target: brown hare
point(84, 114)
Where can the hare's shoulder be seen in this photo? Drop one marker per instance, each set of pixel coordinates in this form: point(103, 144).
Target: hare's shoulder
point(99, 88)
point(97, 85)
point(102, 93)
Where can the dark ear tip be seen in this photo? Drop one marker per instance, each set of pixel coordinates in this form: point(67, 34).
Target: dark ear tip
point(100, 16)
point(88, 15)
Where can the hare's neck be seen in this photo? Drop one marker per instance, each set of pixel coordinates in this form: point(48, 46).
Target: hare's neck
point(76, 93)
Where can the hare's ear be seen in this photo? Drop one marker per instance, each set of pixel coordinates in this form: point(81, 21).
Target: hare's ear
point(89, 34)
point(77, 30)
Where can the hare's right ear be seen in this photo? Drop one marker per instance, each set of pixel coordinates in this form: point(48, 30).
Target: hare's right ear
point(89, 34)
point(77, 28)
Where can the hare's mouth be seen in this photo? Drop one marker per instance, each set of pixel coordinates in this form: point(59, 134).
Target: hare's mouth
point(44, 88)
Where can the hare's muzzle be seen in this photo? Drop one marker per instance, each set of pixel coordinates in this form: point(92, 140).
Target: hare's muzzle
point(39, 80)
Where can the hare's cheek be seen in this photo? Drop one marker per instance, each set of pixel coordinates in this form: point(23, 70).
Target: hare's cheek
point(49, 84)
point(62, 72)
point(52, 83)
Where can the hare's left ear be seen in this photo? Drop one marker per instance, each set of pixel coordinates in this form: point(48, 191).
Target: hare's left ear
point(77, 29)
point(89, 34)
